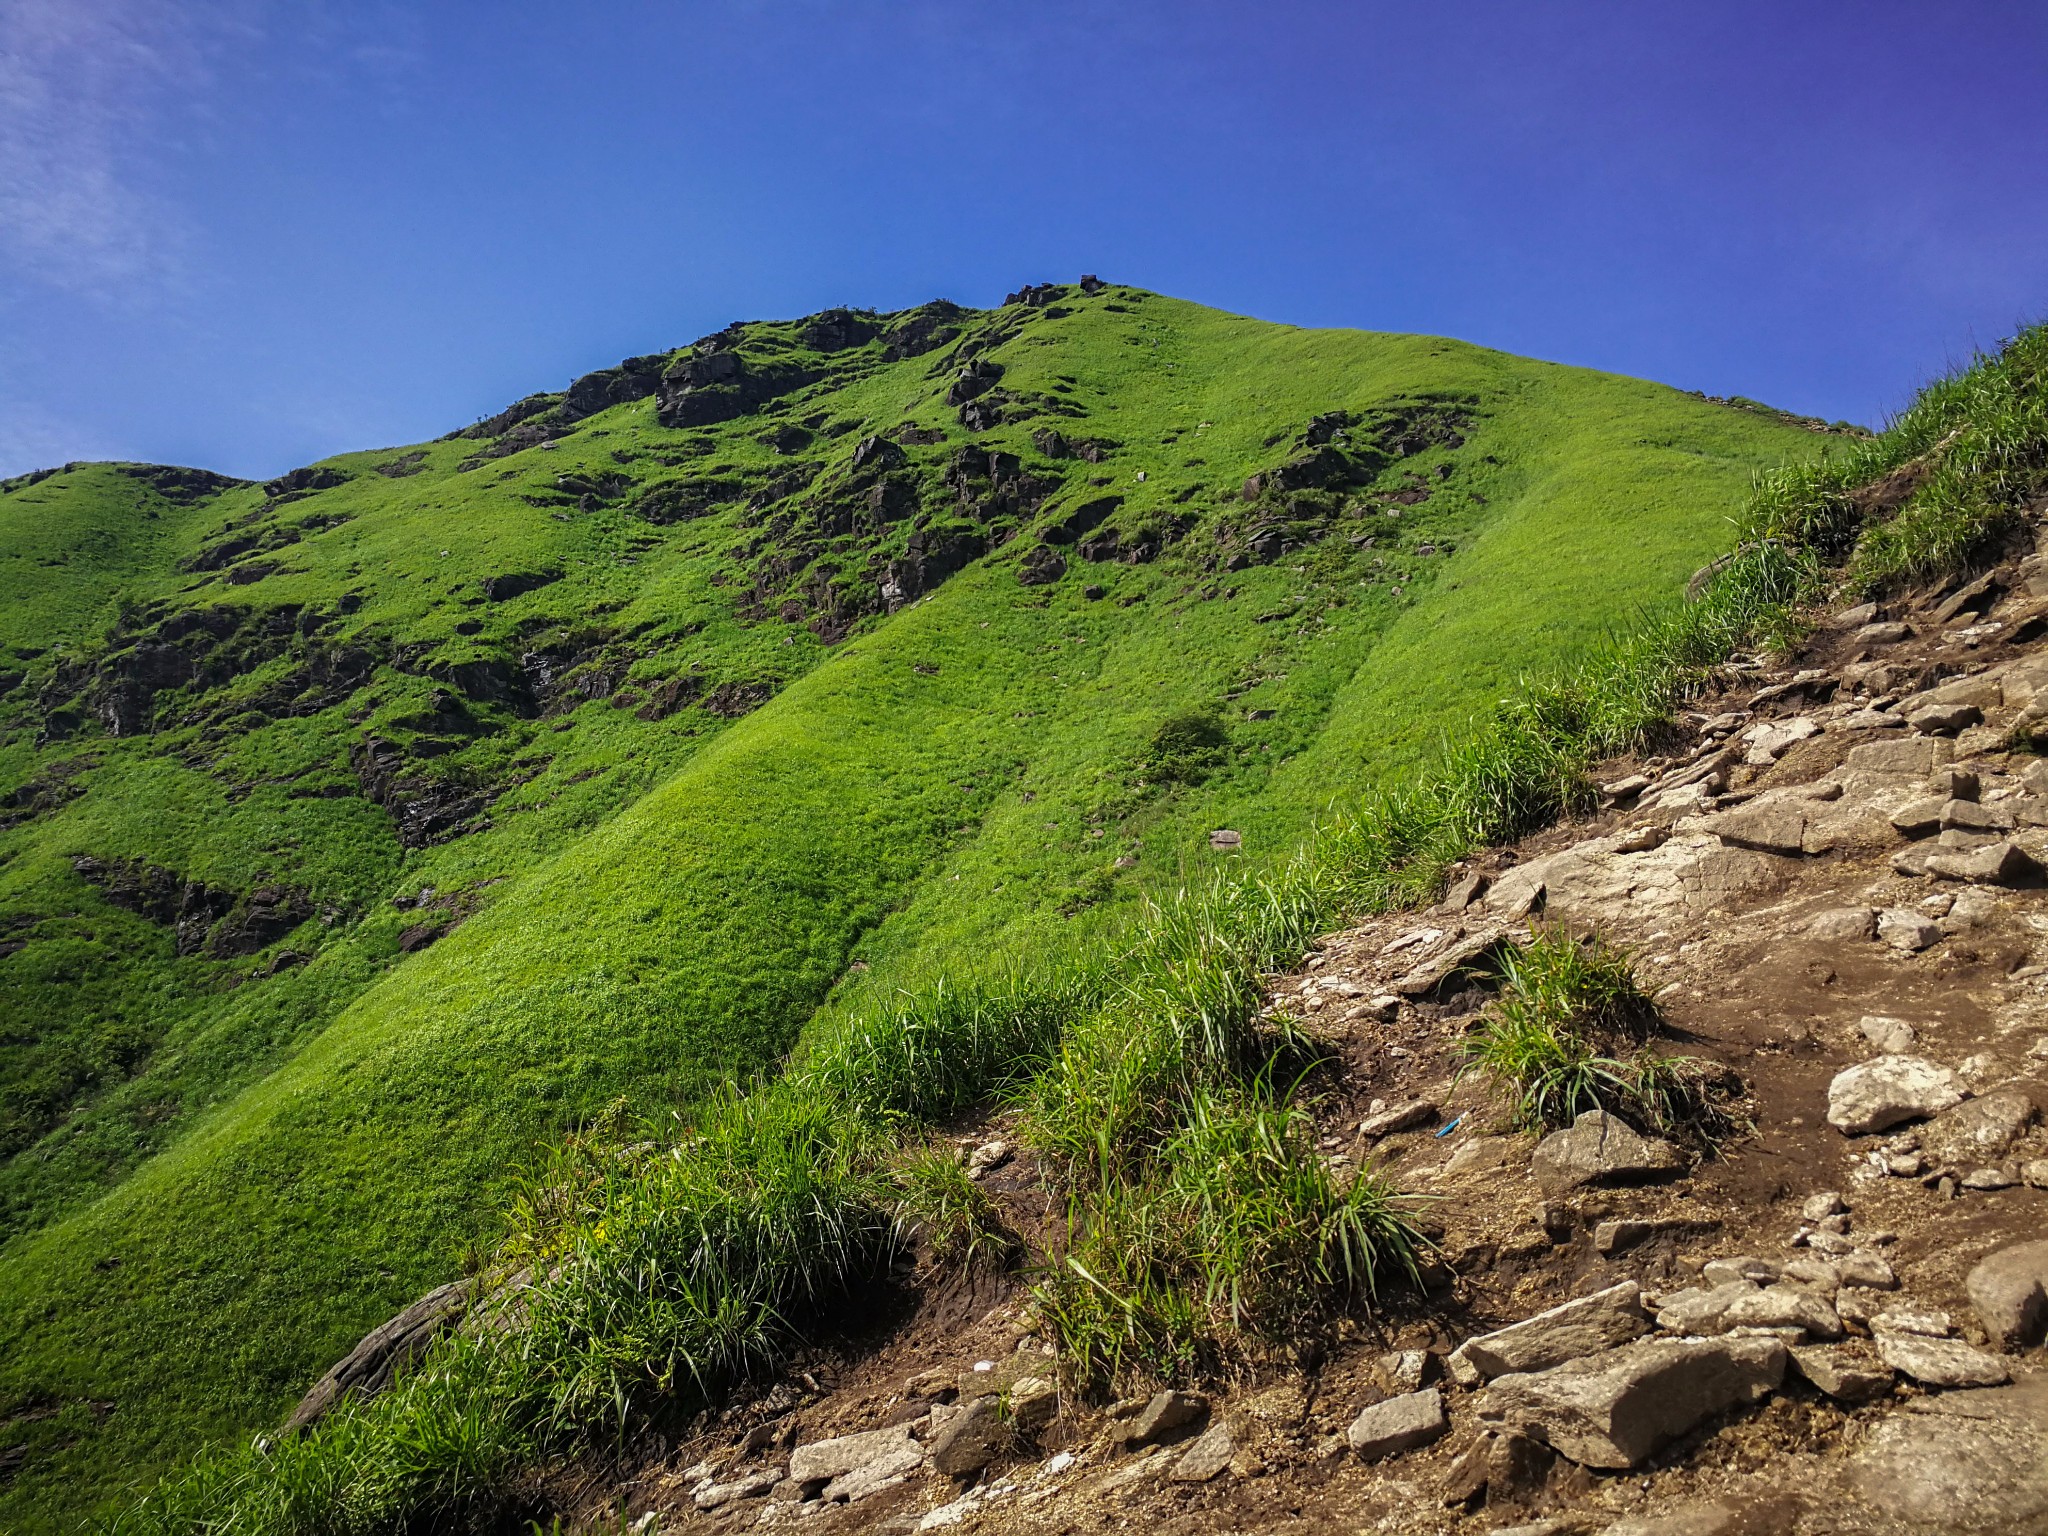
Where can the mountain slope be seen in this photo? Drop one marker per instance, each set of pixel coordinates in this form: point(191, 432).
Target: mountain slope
point(373, 825)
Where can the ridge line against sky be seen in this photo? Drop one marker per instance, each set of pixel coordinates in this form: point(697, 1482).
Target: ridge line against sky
point(248, 233)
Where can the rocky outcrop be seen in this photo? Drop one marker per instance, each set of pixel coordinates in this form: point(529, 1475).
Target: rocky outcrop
point(374, 1364)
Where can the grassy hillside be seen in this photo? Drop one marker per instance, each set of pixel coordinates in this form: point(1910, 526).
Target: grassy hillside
point(367, 828)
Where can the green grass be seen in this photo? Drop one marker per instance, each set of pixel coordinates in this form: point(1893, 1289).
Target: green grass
point(219, 1176)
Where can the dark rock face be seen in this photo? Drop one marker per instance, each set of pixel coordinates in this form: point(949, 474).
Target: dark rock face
point(719, 385)
point(876, 454)
point(1091, 284)
point(677, 501)
point(634, 379)
point(931, 556)
point(424, 809)
point(924, 329)
point(206, 919)
point(839, 330)
point(405, 464)
point(1035, 295)
point(1042, 566)
point(1082, 519)
point(1052, 444)
point(180, 486)
point(371, 1366)
point(974, 381)
point(311, 478)
point(517, 412)
point(983, 414)
point(665, 698)
point(515, 583)
point(731, 700)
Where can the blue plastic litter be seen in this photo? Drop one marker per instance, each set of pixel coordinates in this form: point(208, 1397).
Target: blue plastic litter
point(1440, 1135)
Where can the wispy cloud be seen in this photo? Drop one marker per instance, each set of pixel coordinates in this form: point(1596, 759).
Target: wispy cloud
point(84, 87)
point(95, 95)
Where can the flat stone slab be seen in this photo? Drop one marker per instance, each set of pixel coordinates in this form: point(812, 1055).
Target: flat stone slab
point(1582, 1327)
point(1960, 1462)
point(1939, 1362)
point(1611, 1410)
point(1847, 1375)
point(822, 1460)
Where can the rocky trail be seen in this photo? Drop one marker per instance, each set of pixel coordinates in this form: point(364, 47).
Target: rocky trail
point(1834, 880)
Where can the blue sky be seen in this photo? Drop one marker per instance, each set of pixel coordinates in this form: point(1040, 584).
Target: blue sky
point(246, 233)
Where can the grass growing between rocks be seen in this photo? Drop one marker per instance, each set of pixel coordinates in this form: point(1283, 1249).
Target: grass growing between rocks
point(1203, 1224)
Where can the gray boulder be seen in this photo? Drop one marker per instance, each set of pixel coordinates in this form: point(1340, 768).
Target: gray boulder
point(1981, 1131)
point(1847, 1375)
point(1398, 1424)
point(2010, 1293)
point(1888, 1090)
point(2000, 863)
point(1611, 1410)
point(1165, 1413)
point(824, 1460)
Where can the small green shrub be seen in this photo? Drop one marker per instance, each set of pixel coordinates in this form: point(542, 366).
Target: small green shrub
point(1187, 747)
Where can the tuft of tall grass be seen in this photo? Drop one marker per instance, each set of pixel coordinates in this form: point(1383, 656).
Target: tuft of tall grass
point(1572, 1031)
point(955, 1217)
point(1236, 1234)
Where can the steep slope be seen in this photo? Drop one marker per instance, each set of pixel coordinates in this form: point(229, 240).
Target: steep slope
point(372, 824)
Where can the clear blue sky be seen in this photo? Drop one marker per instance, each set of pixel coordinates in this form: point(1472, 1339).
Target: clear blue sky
point(246, 233)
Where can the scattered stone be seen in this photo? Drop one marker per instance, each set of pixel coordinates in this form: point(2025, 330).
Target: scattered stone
point(1700, 1310)
point(1165, 1413)
point(1739, 1271)
point(1613, 1409)
point(1465, 1478)
point(1905, 929)
point(1886, 1091)
point(1881, 634)
point(1910, 1319)
point(1906, 1165)
point(748, 1485)
point(1621, 1234)
point(1406, 1370)
point(1856, 617)
point(1398, 1424)
point(2009, 1291)
point(1769, 742)
point(1598, 1149)
point(1843, 925)
point(2001, 863)
point(1784, 1306)
point(1842, 1372)
point(1938, 1362)
point(1894, 1037)
point(2035, 1172)
point(1823, 1205)
point(1912, 757)
point(1969, 816)
point(1402, 1117)
point(1815, 1272)
point(1865, 1269)
point(1944, 719)
point(1988, 1179)
point(1821, 1240)
point(987, 1157)
point(1463, 893)
point(1582, 1327)
point(1211, 1454)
